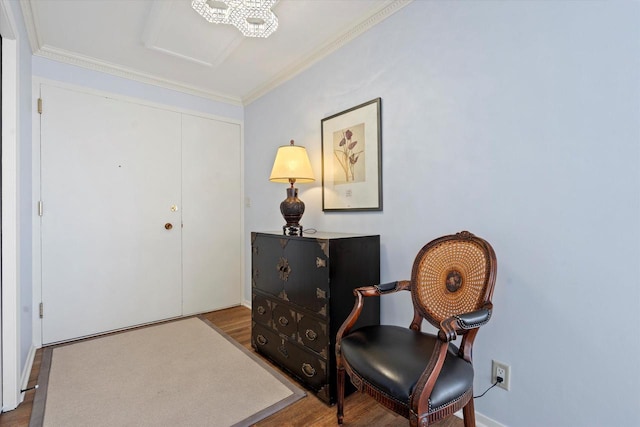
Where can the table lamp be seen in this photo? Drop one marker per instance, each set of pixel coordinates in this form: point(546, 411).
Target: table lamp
point(292, 164)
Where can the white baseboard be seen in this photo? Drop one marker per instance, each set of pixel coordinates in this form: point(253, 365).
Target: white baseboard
point(26, 372)
point(246, 303)
point(482, 420)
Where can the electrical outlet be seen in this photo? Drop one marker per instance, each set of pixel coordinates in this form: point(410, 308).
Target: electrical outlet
point(502, 370)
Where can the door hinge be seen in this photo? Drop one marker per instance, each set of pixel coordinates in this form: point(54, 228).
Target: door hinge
point(41, 310)
point(40, 207)
point(39, 105)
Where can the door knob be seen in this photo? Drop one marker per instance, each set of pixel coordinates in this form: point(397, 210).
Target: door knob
point(168, 226)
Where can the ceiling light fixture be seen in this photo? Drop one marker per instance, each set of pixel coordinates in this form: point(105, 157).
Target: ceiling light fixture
point(253, 18)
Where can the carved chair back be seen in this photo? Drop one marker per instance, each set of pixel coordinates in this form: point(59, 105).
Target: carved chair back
point(450, 275)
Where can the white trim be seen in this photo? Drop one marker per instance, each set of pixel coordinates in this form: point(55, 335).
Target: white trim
point(486, 421)
point(242, 216)
point(10, 219)
point(26, 372)
point(482, 420)
point(7, 25)
point(36, 264)
point(39, 49)
point(29, 24)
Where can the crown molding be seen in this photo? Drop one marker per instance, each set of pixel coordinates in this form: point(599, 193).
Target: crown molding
point(288, 73)
point(29, 23)
point(7, 21)
point(94, 64)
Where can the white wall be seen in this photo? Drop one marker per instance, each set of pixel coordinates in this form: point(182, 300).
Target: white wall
point(518, 121)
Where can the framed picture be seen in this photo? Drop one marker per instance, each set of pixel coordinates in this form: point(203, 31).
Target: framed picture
point(352, 159)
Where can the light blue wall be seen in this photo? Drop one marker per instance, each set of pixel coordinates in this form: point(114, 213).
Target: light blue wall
point(518, 121)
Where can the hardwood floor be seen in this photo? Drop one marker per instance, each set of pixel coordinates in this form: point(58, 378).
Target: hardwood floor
point(360, 410)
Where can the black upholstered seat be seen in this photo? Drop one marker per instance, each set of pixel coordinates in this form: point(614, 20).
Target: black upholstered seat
point(392, 359)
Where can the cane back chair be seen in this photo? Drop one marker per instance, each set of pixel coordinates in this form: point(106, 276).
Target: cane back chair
point(424, 377)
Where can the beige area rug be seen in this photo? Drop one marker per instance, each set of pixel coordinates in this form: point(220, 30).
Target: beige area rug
point(181, 373)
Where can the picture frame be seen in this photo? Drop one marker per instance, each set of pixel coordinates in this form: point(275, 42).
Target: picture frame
point(352, 159)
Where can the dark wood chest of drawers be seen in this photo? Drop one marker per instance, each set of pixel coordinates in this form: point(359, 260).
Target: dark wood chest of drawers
point(302, 291)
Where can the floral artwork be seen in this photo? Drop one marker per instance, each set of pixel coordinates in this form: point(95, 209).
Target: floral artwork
point(349, 150)
point(352, 159)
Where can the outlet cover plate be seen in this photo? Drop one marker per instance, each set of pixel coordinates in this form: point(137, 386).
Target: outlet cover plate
point(495, 366)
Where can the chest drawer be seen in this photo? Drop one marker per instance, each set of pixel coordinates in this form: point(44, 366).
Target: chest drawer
point(313, 334)
point(284, 320)
point(305, 366)
point(303, 329)
point(260, 309)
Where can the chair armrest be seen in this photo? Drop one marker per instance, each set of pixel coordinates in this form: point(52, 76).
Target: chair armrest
point(361, 293)
point(391, 287)
point(473, 319)
point(464, 322)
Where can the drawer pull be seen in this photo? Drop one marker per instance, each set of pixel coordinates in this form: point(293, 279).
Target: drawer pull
point(261, 340)
point(283, 268)
point(261, 310)
point(283, 321)
point(311, 334)
point(308, 370)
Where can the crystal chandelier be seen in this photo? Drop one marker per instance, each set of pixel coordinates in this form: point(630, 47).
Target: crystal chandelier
point(253, 18)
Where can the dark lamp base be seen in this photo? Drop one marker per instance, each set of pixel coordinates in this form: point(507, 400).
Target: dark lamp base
point(292, 209)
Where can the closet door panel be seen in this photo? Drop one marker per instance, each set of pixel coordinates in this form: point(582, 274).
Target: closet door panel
point(110, 173)
point(212, 214)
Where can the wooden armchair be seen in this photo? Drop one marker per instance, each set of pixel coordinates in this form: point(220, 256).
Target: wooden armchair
point(424, 377)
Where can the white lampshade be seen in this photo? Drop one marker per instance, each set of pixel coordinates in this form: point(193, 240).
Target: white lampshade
point(292, 163)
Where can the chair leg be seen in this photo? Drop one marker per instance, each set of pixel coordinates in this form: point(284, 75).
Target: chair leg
point(469, 414)
point(340, 397)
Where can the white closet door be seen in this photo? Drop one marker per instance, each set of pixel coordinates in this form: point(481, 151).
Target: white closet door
point(110, 172)
point(212, 194)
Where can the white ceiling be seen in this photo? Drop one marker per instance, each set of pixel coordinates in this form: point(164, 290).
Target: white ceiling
point(165, 42)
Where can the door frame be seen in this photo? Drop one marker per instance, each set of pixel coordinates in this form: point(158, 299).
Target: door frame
point(10, 322)
point(36, 195)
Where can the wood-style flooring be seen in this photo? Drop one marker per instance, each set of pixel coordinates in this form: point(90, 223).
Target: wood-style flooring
point(360, 410)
